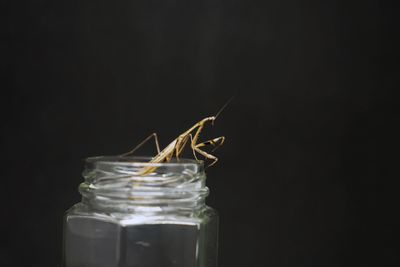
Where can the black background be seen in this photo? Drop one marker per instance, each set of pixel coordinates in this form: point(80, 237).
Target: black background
point(306, 175)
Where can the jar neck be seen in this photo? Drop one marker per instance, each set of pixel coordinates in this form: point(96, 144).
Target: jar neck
point(117, 184)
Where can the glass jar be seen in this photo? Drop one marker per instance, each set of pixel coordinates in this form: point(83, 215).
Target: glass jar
point(127, 219)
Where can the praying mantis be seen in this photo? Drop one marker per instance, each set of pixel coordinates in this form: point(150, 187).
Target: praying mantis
point(178, 144)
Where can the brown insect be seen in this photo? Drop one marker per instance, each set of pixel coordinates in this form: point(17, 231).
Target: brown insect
point(178, 144)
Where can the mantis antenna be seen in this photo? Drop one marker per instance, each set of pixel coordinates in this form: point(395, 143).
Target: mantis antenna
point(223, 107)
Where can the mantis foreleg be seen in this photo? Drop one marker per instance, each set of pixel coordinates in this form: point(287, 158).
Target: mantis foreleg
point(206, 155)
point(215, 142)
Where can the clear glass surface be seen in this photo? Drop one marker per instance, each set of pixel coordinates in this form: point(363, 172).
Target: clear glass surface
point(128, 219)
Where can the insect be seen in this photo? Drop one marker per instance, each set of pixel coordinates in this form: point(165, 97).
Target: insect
point(175, 148)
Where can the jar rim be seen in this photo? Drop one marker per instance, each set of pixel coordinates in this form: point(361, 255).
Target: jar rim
point(142, 161)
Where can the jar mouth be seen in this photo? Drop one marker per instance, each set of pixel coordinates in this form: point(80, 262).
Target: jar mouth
point(140, 168)
point(139, 161)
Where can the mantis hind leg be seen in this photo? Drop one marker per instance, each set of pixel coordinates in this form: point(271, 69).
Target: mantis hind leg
point(153, 135)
